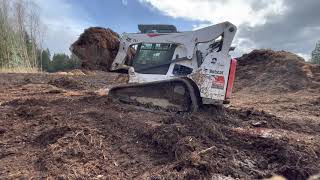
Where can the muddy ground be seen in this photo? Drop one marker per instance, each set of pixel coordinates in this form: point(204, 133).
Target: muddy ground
point(63, 126)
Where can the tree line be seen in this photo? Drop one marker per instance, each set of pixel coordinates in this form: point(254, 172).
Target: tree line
point(58, 62)
point(21, 39)
point(20, 34)
point(315, 56)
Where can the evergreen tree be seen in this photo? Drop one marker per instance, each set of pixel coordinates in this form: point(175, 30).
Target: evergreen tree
point(315, 56)
point(45, 59)
point(59, 62)
point(74, 62)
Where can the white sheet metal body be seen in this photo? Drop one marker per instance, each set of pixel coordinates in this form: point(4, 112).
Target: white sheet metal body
point(211, 76)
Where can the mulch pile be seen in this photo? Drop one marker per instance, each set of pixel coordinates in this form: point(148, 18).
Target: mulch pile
point(275, 71)
point(97, 47)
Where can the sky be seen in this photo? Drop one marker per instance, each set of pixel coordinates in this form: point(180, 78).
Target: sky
point(291, 25)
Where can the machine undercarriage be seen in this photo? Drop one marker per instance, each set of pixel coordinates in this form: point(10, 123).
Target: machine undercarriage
point(173, 95)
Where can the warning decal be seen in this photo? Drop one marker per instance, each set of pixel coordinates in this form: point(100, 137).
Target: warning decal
point(218, 82)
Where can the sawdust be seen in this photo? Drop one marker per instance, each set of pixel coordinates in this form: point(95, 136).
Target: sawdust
point(275, 72)
point(89, 136)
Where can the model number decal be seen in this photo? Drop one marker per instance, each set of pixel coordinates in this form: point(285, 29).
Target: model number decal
point(216, 72)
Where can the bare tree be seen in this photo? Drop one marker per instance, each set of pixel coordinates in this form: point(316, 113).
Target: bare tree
point(21, 34)
point(4, 28)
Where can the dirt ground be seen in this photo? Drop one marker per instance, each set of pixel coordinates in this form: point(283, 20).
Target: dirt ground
point(62, 126)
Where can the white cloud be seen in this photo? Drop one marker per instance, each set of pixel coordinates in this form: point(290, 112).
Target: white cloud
point(306, 57)
point(250, 13)
point(199, 26)
point(125, 2)
point(236, 11)
point(243, 45)
point(62, 27)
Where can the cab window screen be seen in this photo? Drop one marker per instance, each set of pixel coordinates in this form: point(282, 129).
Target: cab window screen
point(153, 58)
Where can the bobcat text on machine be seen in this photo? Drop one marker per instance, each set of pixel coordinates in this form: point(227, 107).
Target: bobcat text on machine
point(177, 70)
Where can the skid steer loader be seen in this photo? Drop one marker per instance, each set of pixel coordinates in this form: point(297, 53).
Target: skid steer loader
point(174, 70)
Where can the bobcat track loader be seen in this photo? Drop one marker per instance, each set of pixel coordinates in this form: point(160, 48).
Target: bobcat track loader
point(174, 70)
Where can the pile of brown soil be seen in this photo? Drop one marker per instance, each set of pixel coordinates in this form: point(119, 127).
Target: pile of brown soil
point(97, 47)
point(67, 83)
point(275, 71)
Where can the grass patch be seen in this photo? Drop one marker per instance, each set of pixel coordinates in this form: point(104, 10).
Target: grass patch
point(19, 70)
